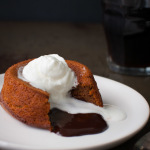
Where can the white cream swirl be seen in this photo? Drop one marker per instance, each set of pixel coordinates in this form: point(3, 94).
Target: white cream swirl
point(51, 74)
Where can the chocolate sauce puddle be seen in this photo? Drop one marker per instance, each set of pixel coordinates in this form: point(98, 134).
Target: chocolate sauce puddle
point(67, 124)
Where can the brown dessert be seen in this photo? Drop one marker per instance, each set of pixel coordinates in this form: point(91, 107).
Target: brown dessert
point(30, 105)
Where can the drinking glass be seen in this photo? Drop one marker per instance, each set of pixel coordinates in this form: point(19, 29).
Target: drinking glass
point(127, 30)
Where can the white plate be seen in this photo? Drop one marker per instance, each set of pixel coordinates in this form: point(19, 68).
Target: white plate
point(16, 135)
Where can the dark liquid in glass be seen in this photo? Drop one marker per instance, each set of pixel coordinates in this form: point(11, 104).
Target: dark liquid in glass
point(127, 28)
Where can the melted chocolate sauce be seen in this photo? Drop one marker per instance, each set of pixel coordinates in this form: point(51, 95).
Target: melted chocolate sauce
point(67, 124)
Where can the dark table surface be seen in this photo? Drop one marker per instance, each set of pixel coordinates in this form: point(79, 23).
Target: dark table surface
point(84, 42)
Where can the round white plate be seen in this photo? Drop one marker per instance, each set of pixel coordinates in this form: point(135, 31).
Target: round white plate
point(16, 135)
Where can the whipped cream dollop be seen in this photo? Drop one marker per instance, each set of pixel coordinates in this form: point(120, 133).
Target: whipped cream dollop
point(51, 74)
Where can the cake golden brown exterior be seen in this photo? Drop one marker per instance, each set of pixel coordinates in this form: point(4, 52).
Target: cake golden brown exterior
point(30, 105)
point(87, 89)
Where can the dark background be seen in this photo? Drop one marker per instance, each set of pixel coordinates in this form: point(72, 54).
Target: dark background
point(51, 10)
